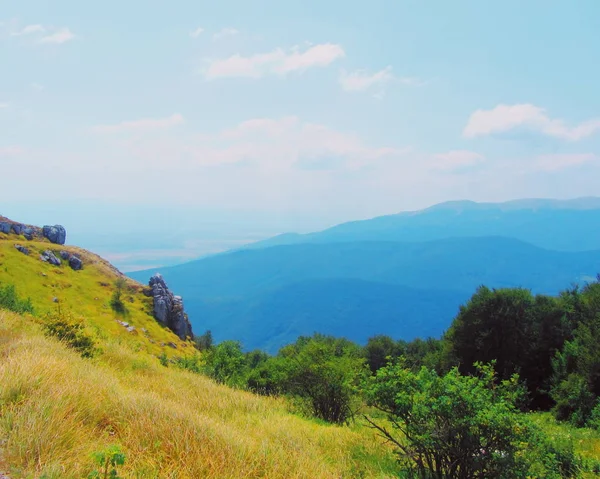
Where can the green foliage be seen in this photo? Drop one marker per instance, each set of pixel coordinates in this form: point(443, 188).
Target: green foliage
point(10, 300)
point(108, 461)
point(204, 342)
point(456, 426)
point(164, 359)
point(226, 364)
point(116, 301)
point(190, 363)
point(379, 349)
point(325, 372)
point(594, 418)
point(512, 327)
point(576, 379)
point(70, 332)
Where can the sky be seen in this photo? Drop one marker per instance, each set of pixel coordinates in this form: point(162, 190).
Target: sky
point(219, 123)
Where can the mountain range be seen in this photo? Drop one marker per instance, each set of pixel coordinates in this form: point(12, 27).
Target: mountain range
point(405, 275)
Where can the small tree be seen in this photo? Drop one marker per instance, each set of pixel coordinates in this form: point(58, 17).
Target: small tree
point(325, 372)
point(108, 461)
point(455, 426)
point(226, 363)
point(204, 342)
point(116, 301)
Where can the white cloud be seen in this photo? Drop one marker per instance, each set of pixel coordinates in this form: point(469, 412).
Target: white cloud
point(60, 36)
point(504, 118)
point(361, 80)
point(144, 124)
point(197, 32)
point(225, 32)
point(3, 105)
point(559, 162)
point(29, 30)
point(276, 62)
point(457, 159)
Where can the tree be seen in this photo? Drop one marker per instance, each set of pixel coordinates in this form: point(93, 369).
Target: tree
point(455, 426)
point(378, 349)
point(204, 342)
point(325, 372)
point(576, 380)
point(226, 364)
point(116, 301)
point(517, 330)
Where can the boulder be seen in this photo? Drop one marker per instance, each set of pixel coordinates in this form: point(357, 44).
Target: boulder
point(17, 229)
point(22, 249)
point(49, 257)
point(75, 263)
point(168, 308)
point(56, 234)
point(5, 227)
point(64, 255)
point(28, 233)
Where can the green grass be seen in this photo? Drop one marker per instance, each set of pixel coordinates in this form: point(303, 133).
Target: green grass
point(85, 295)
point(586, 442)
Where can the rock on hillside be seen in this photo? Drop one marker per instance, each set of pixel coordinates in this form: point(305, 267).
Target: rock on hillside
point(168, 308)
point(56, 234)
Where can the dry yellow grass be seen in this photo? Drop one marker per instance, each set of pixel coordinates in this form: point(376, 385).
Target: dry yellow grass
point(56, 409)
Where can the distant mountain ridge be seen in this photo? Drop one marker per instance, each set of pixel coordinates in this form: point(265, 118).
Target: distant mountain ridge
point(564, 225)
point(267, 296)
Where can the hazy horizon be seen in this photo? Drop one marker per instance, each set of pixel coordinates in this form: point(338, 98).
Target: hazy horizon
point(236, 121)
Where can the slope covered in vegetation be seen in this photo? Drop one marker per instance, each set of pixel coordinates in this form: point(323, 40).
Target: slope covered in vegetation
point(86, 294)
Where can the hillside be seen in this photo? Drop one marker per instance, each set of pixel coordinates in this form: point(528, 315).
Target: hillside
point(419, 285)
point(57, 409)
point(85, 294)
point(564, 225)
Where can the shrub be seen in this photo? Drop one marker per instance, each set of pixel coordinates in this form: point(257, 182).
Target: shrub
point(70, 332)
point(456, 426)
point(116, 301)
point(325, 372)
point(108, 460)
point(11, 301)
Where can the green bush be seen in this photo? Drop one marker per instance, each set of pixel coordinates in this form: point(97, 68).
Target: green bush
point(116, 301)
point(11, 301)
point(70, 332)
point(456, 426)
point(108, 461)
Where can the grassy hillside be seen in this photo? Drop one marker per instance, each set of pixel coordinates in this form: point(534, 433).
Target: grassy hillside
point(56, 409)
point(85, 294)
point(242, 290)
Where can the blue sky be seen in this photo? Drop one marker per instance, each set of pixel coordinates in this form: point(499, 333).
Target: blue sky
point(289, 115)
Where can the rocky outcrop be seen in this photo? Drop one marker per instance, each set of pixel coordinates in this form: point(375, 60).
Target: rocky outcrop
point(73, 260)
point(55, 234)
point(168, 308)
point(49, 257)
point(75, 263)
point(22, 249)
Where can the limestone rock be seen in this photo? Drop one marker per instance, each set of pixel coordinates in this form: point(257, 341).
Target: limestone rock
point(22, 249)
point(49, 257)
point(17, 228)
point(65, 255)
point(75, 263)
point(5, 227)
point(56, 234)
point(168, 308)
point(28, 233)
